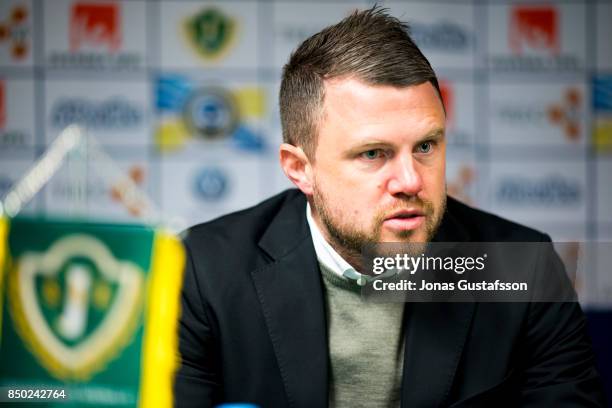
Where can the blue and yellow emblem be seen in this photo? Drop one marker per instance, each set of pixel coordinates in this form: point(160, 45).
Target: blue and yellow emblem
point(193, 112)
point(602, 113)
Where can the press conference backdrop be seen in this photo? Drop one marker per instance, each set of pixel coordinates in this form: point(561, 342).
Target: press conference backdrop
point(183, 96)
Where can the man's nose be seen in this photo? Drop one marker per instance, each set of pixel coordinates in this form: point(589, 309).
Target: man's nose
point(405, 178)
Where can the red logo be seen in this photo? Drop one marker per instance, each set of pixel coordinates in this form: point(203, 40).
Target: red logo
point(2, 105)
point(448, 99)
point(534, 28)
point(566, 114)
point(96, 24)
point(15, 32)
point(123, 191)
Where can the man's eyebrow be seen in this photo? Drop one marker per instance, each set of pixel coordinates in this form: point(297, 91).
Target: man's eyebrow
point(371, 145)
point(435, 135)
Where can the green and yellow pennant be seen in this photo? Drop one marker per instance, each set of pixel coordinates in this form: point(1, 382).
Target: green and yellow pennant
point(90, 307)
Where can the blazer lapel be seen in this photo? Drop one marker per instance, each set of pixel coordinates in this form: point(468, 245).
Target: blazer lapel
point(291, 296)
point(435, 336)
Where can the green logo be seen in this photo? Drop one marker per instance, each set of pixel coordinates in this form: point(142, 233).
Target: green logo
point(75, 305)
point(210, 32)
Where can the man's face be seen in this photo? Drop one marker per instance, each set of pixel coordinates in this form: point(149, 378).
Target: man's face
point(379, 168)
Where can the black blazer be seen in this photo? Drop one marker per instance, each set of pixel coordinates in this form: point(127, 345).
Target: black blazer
point(253, 325)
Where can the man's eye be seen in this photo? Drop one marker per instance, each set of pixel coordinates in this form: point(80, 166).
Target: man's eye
point(372, 154)
point(425, 147)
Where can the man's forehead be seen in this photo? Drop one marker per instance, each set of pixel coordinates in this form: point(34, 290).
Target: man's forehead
point(341, 90)
point(355, 99)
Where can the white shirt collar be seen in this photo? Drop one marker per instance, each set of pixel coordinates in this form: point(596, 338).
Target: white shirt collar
point(331, 259)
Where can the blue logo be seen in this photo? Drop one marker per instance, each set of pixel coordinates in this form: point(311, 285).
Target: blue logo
point(211, 184)
point(602, 94)
point(602, 111)
point(441, 36)
point(551, 191)
point(116, 113)
point(209, 113)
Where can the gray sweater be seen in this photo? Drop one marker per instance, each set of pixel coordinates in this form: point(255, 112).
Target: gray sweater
point(365, 345)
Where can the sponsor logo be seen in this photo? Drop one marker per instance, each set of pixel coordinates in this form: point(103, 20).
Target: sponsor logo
point(12, 138)
point(113, 114)
point(75, 305)
point(459, 185)
point(210, 33)
point(211, 184)
point(534, 28)
point(602, 94)
point(566, 114)
point(15, 32)
point(122, 191)
point(441, 36)
point(95, 39)
point(208, 113)
point(95, 24)
point(8, 137)
point(602, 112)
point(522, 114)
point(534, 41)
point(211, 113)
point(550, 191)
point(2, 104)
point(68, 189)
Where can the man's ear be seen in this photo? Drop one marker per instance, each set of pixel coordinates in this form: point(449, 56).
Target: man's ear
point(297, 167)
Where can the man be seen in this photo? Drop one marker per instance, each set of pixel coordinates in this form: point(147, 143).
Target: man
point(271, 312)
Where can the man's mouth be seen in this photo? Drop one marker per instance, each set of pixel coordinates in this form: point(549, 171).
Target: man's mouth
point(404, 220)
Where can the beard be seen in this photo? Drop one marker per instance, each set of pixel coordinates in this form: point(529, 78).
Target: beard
point(349, 241)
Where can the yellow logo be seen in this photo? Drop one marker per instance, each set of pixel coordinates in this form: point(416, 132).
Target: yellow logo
point(210, 33)
point(75, 306)
point(602, 134)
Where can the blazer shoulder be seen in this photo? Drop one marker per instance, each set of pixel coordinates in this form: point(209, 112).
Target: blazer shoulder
point(487, 227)
point(237, 231)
